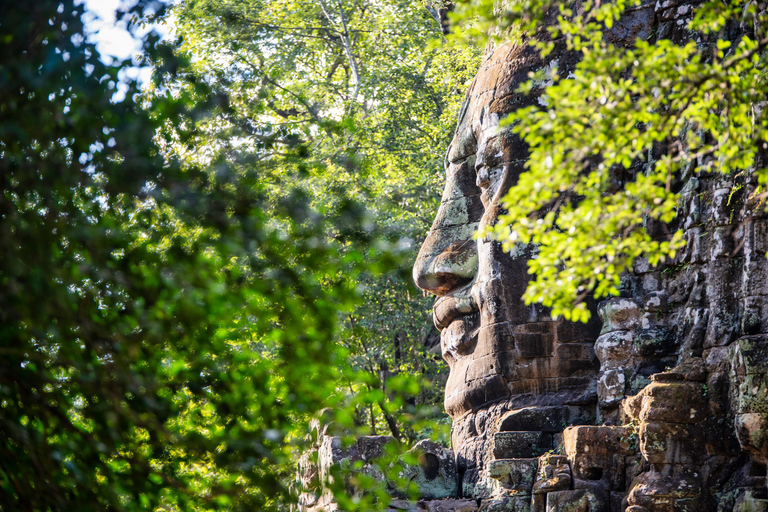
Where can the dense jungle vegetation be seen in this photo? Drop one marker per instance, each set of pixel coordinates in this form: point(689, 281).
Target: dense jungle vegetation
point(190, 273)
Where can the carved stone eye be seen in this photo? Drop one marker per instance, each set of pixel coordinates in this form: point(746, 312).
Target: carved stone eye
point(489, 155)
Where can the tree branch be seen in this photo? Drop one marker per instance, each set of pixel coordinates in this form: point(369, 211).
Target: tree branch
point(347, 44)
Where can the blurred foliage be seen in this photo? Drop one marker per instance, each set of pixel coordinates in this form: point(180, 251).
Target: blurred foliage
point(617, 136)
point(363, 92)
point(186, 274)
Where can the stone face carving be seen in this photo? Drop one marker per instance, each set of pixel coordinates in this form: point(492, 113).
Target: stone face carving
point(485, 327)
point(503, 356)
point(660, 403)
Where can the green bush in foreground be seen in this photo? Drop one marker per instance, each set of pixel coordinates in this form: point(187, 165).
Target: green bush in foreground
point(162, 338)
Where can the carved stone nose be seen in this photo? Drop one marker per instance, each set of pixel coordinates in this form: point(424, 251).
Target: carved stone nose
point(444, 265)
point(448, 258)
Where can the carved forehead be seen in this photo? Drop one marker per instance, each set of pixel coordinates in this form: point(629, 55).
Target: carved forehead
point(491, 96)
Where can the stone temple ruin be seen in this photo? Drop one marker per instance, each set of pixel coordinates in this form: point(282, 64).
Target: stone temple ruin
point(660, 403)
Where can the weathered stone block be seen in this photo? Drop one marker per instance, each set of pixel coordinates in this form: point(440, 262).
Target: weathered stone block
point(671, 443)
point(575, 332)
point(576, 501)
point(752, 315)
point(435, 475)
point(755, 280)
point(696, 244)
point(753, 394)
point(507, 504)
point(333, 450)
point(497, 339)
point(617, 501)
point(520, 444)
point(554, 475)
point(543, 327)
point(514, 476)
point(598, 471)
point(596, 453)
point(590, 439)
point(673, 402)
point(752, 433)
point(337, 459)
point(637, 382)
point(750, 354)
point(667, 487)
point(619, 315)
point(469, 483)
point(653, 342)
point(760, 233)
point(372, 447)
point(481, 421)
point(694, 329)
point(534, 344)
point(656, 302)
point(532, 369)
point(650, 282)
point(634, 465)
point(483, 367)
point(692, 369)
point(569, 390)
point(611, 387)
point(478, 479)
point(461, 395)
point(688, 287)
point(721, 211)
point(721, 243)
point(632, 26)
point(748, 501)
point(547, 419)
point(614, 349)
point(575, 357)
point(403, 505)
point(722, 279)
point(449, 506)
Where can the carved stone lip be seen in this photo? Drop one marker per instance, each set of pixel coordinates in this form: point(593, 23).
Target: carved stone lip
point(450, 307)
